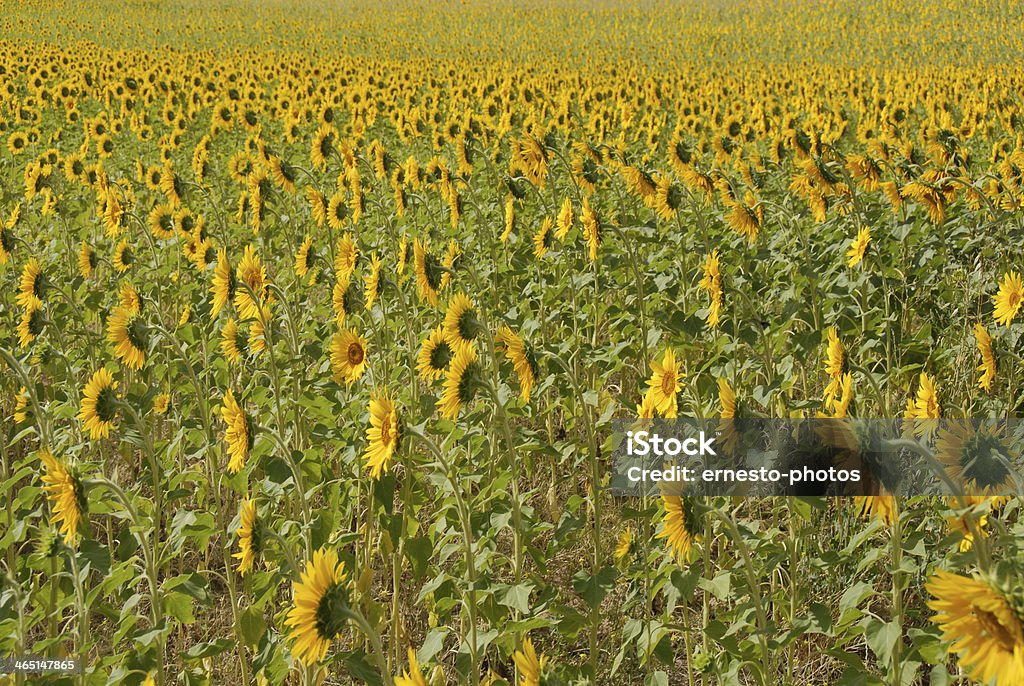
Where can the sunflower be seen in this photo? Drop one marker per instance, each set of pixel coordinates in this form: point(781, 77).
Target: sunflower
point(321, 607)
point(304, 258)
point(30, 326)
point(337, 211)
point(252, 273)
point(348, 356)
point(371, 284)
point(542, 239)
point(383, 434)
point(984, 624)
point(461, 382)
point(882, 507)
point(6, 244)
point(530, 666)
point(128, 297)
point(564, 221)
point(238, 433)
point(664, 384)
point(841, 406)
point(32, 285)
point(591, 230)
point(969, 522)
point(727, 425)
point(510, 219)
point(403, 258)
point(66, 494)
point(129, 335)
point(858, 247)
point(99, 404)
point(1009, 298)
point(834, 359)
point(975, 458)
point(429, 273)
point(624, 545)
point(452, 258)
point(435, 355)
point(923, 409)
point(223, 287)
point(248, 534)
point(346, 257)
point(162, 403)
point(87, 260)
point(412, 676)
point(161, 221)
point(317, 205)
point(668, 198)
point(679, 526)
point(232, 342)
point(988, 360)
point(21, 403)
point(461, 326)
point(521, 358)
point(711, 282)
point(124, 257)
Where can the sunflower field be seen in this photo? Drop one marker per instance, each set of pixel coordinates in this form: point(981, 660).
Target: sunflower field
point(315, 318)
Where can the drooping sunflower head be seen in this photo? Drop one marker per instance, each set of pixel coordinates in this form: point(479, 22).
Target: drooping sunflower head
point(99, 404)
point(249, 536)
point(383, 435)
point(320, 610)
point(348, 356)
point(238, 433)
point(128, 333)
point(66, 494)
point(463, 381)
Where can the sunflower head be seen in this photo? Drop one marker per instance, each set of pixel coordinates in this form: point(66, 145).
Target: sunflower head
point(977, 459)
point(321, 608)
point(66, 493)
point(464, 380)
point(348, 356)
point(99, 404)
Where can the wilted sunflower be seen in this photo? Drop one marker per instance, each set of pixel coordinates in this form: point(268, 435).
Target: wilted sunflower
point(233, 342)
point(30, 326)
point(223, 287)
point(248, 534)
point(32, 285)
point(461, 325)
point(984, 624)
point(1009, 298)
point(382, 435)
point(521, 358)
point(412, 676)
point(124, 257)
point(129, 335)
point(461, 382)
point(66, 494)
point(680, 526)
point(530, 666)
point(988, 359)
point(348, 356)
point(664, 384)
point(858, 247)
point(99, 404)
point(434, 356)
point(321, 607)
point(238, 434)
point(87, 260)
